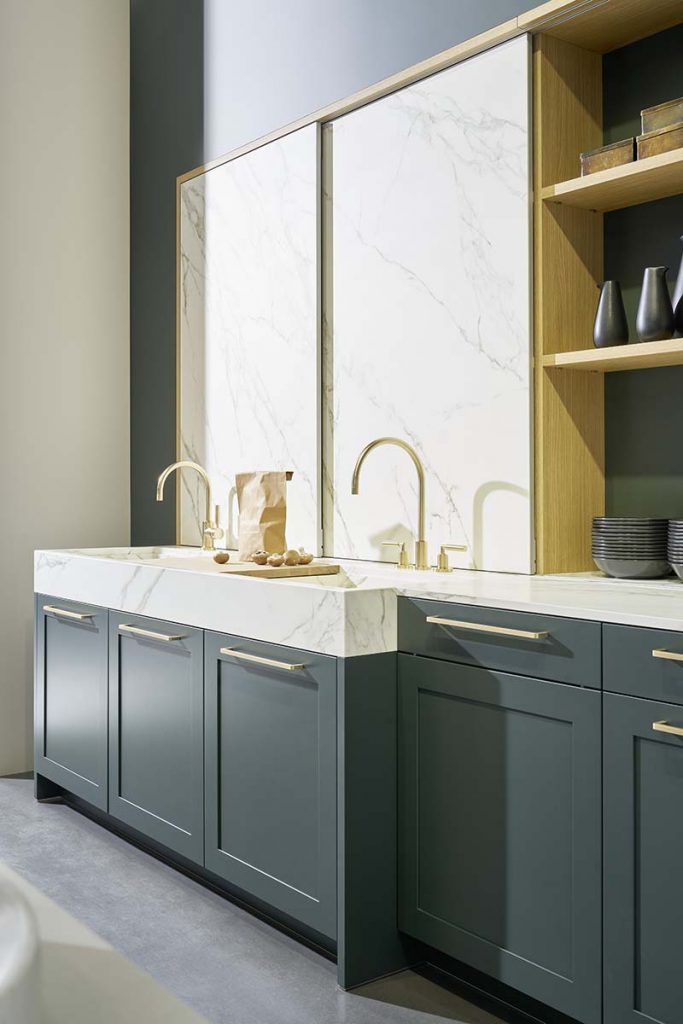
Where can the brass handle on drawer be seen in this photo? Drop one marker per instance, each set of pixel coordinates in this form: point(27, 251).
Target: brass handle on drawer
point(480, 627)
point(675, 730)
point(667, 655)
point(150, 634)
point(258, 660)
point(65, 613)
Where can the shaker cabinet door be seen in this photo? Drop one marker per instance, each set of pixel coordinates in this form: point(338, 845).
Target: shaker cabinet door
point(71, 697)
point(500, 820)
point(270, 781)
point(156, 724)
point(643, 867)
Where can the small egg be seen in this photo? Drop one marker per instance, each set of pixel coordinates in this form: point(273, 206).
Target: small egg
point(292, 557)
point(221, 557)
point(275, 560)
point(305, 557)
point(260, 557)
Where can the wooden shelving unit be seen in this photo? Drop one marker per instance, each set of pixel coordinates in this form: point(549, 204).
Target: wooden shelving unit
point(643, 181)
point(641, 356)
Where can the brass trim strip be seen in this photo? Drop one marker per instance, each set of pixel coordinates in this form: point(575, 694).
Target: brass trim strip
point(673, 730)
point(258, 660)
point(480, 627)
point(150, 634)
point(65, 613)
point(667, 655)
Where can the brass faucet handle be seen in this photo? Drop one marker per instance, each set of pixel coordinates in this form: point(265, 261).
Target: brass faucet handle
point(212, 531)
point(443, 564)
point(403, 562)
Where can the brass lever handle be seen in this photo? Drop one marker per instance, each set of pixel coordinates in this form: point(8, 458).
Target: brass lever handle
point(150, 634)
point(66, 613)
point(443, 565)
point(257, 659)
point(674, 730)
point(480, 627)
point(667, 655)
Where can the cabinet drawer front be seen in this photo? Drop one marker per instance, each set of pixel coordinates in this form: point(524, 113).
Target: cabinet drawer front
point(643, 662)
point(71, 697)
point(642, 875)
point(545, 646)
point(156, 730)
point(500, 827)
point(270, 775)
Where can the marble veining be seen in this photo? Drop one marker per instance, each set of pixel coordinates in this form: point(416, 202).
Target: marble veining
point(426, 334)
point(345, 615)
point(249, 330)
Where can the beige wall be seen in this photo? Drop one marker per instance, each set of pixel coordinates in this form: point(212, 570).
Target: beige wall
point(64, 308)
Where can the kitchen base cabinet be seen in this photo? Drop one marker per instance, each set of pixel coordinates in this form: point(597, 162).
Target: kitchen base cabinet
point(500, 827)
point(156, 746)
point(643, 843)
point(71, 697)
point(270, 779)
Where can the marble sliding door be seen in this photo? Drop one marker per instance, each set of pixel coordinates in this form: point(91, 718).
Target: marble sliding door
point(427, 332)
point(249, 378)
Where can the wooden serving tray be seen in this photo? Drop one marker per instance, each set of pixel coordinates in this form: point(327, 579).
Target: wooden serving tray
point(272, 572)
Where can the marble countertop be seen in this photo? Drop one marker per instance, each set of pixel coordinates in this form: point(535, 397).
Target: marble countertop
point(353, 612)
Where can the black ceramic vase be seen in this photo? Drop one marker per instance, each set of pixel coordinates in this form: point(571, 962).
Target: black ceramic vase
point(677, 301)
point(655, 319)
point(610, 327)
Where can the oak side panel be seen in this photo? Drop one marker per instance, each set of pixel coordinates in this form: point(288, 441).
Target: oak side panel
point(568, 259)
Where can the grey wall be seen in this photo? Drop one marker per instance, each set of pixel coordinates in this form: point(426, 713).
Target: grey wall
point(644, 410)
point(264, 63)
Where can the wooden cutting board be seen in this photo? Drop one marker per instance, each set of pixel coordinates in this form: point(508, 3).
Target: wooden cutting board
point(272, 572)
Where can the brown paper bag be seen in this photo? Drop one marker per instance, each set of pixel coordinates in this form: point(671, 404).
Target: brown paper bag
point(262, 501)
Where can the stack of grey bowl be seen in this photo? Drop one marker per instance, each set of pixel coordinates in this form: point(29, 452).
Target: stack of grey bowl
point(675, 548)
point(634, 549)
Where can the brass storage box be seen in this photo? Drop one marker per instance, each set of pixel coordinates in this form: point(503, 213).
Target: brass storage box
point(661, 141)
point(661, 116)
point(614, 155)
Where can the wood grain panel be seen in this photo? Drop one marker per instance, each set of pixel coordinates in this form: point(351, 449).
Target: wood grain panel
point(569, 415)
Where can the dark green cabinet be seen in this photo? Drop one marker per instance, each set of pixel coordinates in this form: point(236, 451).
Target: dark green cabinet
point(270, 775)
point(156, 725)
point(500, 827)
point(71, 697)
point(643, 823)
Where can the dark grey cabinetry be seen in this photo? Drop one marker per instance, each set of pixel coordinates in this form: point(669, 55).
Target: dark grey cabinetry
point(156, 729)
point(643, 835)
point(270, 776)
point(500, 827)
point(71, 697)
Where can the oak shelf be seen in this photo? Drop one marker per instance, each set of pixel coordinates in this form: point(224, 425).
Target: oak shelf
point(642, 181)
point(640, 356)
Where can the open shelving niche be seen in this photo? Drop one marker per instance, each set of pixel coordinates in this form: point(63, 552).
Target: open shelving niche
point(568, 265)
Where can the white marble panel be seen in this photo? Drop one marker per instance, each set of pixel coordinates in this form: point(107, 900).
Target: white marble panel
point(249, 330)
point(427, 331)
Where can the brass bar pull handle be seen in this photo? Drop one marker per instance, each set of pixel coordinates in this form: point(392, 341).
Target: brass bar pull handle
point(667, 655)
point(150, 634)
point(674, 730)
point(480, 627)
point(66, 613)
point(258, 660)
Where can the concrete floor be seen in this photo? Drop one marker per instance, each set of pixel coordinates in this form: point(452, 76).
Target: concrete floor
point(222, 961)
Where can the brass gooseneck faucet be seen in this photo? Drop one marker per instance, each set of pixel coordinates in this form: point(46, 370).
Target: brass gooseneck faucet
point(211, 531)
point(421, 554)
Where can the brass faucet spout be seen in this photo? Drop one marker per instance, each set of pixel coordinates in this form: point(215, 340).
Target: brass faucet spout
point(210, 528)
point(421, 556)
